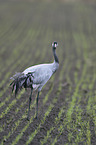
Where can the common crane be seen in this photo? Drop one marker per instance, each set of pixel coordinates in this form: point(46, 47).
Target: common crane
point(35, 77)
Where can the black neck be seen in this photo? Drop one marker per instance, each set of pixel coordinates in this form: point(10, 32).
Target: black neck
point(55, 56)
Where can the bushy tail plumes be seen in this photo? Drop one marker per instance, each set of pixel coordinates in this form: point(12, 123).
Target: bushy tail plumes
point(21, 80)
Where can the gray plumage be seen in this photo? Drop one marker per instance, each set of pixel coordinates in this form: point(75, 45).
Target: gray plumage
point(35, 77)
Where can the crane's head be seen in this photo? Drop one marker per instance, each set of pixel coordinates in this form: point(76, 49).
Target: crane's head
point(54, 44)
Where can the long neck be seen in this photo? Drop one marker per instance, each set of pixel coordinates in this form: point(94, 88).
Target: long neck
point(55, 56)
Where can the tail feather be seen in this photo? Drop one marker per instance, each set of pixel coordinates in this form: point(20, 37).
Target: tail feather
point(21, 80)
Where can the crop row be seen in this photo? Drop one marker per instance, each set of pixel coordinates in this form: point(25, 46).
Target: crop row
point(7, 77)
point(77, 126)
point(14, 101)
point(48, 110)
point(67, 107)
point(12, 68)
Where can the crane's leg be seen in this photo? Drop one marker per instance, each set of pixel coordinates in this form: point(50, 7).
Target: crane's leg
point(29, 103)
point(37, 105)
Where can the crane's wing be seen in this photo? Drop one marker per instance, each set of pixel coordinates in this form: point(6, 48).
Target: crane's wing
point(41, 74)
